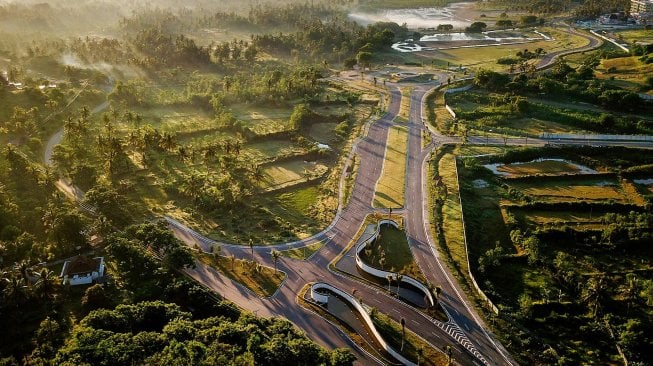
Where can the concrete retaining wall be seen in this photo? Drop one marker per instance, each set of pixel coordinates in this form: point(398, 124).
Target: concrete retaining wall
point(384, 274)
point(366, 317)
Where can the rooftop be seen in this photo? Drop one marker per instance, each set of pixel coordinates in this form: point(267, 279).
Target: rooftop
point(81, 265)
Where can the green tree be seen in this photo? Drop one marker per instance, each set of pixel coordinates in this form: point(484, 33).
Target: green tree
point(364, 59)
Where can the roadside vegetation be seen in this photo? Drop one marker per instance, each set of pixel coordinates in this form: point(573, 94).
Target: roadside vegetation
point(558, 251)
point(532, 103)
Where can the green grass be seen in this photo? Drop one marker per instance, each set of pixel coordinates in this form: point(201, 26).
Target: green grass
point(398, 257)
point(303, 252)
point(627, 72)
point(323, 133)
point(471, 150)
point(391, 185)
point(452, 213)
point(262, 280)
point(636, 35)
point(270, 149)
point(262, 120)
point(390, 330)
point(404, 110)
point(300, 200)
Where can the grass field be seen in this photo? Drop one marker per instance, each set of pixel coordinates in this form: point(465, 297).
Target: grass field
point(270, 149)
point(262, 280)
point(323, 133)
point(262, 120)
point(473, 150)
point(291, 172)
point(628, 72)
point(303, 252)
point(636, 35)
point(404, 110)
point(536, 217)
point(398, 257)
point(390, 187)
point(414, 349)
point(568, 190)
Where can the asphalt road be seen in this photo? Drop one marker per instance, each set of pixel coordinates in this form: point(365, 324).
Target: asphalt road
point(464, 332)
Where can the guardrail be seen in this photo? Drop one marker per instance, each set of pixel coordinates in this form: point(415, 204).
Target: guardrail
point(624, 48)
point(366, 318)
point(595, 137)
point(384, 274)
point(469, 268)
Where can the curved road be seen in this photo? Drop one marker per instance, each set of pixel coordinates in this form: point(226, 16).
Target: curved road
point(465, 332)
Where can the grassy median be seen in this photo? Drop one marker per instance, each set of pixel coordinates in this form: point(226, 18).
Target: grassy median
point(390, 187)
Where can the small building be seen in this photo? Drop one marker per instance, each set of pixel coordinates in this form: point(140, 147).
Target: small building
point(82, 270)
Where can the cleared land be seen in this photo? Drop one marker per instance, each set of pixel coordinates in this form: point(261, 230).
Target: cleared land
point(390, 187)
point(262, 280)
point(574, 190)
point(290, 173)
point(546, 167)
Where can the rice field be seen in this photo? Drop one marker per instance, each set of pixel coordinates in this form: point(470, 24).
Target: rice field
point(567, 191)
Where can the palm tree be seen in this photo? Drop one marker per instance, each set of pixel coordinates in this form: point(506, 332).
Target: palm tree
point(275, 257)
point(420, 353)
point(257, 175)
point(403, 333)
point(251, 246)
point(399, 277)
point(233, 261)
point(594, 293)
point(448, 350)
point(389, 278)
point(46, 282)
point(15, 290)
point(168, 141)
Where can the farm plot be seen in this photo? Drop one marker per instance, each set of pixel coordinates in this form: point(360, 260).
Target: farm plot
point(290, 173)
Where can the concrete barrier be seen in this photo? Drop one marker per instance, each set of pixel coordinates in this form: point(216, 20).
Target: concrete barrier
point(595, 137)
point(379, 273)
point(366, 318)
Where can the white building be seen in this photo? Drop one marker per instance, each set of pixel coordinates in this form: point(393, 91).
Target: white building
point(82, 270)
point(641, 6)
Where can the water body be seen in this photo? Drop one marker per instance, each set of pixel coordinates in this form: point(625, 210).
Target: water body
point(646, 182)
point(453, 14)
